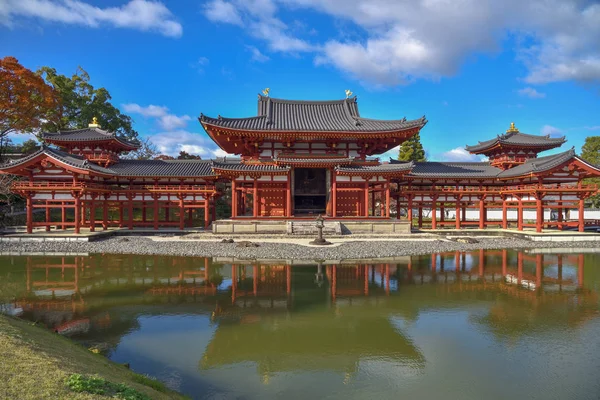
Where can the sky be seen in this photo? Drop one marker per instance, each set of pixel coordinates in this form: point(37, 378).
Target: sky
point(470, 66)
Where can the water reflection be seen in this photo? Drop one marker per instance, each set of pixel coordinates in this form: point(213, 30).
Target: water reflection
point(281, 319)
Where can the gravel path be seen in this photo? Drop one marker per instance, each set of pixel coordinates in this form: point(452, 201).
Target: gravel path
point(351, 250)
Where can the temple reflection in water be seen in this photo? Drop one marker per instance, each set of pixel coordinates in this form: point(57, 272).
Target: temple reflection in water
point(314, 316)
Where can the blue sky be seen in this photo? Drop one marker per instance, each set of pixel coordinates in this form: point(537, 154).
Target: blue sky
point(470, 66)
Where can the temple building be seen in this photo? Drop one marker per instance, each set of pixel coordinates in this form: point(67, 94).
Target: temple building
point(295, 160)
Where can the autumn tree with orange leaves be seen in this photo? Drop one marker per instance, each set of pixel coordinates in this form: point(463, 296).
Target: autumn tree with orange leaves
point(26, 101)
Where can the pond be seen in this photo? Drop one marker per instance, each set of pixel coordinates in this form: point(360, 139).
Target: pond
point(486, 324)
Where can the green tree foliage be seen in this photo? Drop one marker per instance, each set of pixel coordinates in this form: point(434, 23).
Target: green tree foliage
point(590, 151)
point(29, 146)
point(81, 102)
point(412, 150)
point(184, 155)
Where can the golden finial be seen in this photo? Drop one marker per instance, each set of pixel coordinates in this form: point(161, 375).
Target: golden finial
point(512, 128)
point(94, 123)
point(348, 93)
point(266, 92)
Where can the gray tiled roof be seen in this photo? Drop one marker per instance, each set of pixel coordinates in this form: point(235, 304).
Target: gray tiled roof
point(435, 169)
point(311, 116)
point(383, 168)
point(519, 139)
point(86, 135)
point(163, 168)
point(67, 158)
point(539, 164)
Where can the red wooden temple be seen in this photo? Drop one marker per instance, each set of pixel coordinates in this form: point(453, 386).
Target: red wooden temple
point(298, 159)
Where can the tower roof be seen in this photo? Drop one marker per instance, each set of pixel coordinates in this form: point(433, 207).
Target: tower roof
point(514, 138)
point(90, 134)
point(311, 116)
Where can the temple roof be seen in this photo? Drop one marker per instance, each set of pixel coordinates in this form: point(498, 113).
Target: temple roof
point(392, 167)
point(91, 134)
point(515, 138)
point(62, 156)
point(435, 169)
point(163, 168)
point(311, 116)
point(540, 164)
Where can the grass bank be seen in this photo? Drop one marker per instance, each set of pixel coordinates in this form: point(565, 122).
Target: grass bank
point(36, 364)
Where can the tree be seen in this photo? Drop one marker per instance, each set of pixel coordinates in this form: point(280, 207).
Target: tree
point(412, 150)
point(29, 146)
point(80, 102)
point(146, 151)
point(184, 155)
point(26, 101)
point(590, 152)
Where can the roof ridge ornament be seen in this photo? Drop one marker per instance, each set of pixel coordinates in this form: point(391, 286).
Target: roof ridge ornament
point(266, 91)
point(348, 93)
point(512, 129)
point(94, 123)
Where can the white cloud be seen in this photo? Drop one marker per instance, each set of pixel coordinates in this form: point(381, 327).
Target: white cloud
point(459, 154)
point(148, 111)
point(142, 15)
point(404, 40)
point(257, 55)
point(165, 120)
point(172, 142)
point(258, 16)
point(531, 93)
point(222, 11)
point(551, 131)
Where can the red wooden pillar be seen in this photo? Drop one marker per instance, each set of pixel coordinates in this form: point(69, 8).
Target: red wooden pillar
point(48, 219)
point(433, 212)
point(520, 214)
point(420, 215)
point(464, 213)
point(482, 212)
point(77, 213)
point(256, 204)
point(409, 211)
point(206, 213)
point(29, 206)
point(442, 212)
point(581, 224)
point(181, 213)
point(560, 214)
point(366, 193)
point(288, 195)
point(398, 207)
point(234, 202)
point(539, 220)
point(333, 194)
point(504, 214)
point(457, 212)
point(387, 200)
point(93, 213)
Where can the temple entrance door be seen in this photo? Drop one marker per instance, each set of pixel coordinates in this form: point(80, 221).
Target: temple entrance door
point(310, 191)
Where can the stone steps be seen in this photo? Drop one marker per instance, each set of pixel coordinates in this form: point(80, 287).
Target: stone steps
point(309, 228)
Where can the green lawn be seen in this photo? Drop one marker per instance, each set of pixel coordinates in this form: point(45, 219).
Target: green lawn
point(36, 363)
